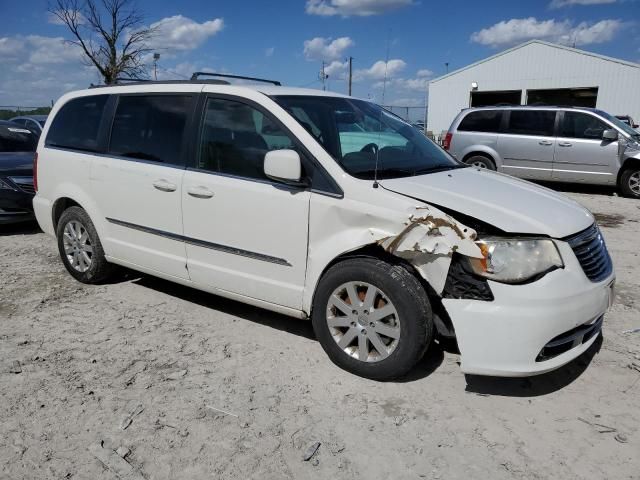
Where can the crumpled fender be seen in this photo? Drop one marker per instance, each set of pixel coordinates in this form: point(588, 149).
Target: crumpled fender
point(428, 241)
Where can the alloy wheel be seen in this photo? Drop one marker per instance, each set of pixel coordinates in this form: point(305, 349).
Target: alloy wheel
point(634, 182)
point(363, 321)
point(77, 246)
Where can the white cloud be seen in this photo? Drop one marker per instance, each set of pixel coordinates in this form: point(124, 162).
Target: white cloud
point(347, 8)
point(569, 3)
point(38, 69)
point(336, 69)
point(379, 70)
point(320, 48)
point(269, 52)
point(516, 30)
point(180, 33)
point(55, 20)
point(424, 73)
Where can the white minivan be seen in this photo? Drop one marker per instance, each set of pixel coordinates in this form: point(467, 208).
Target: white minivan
point(255, 193)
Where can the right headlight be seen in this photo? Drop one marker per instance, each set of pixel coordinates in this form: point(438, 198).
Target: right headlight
point(515, 260)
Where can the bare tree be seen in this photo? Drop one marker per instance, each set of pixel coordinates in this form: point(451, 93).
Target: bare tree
point(111, 34)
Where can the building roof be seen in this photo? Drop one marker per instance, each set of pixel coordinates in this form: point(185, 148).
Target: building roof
point(541, 42)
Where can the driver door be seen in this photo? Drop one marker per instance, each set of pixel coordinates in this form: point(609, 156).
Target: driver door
point(245, 233)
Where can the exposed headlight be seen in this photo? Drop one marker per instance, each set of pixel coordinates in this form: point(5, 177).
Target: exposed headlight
point(516, 260)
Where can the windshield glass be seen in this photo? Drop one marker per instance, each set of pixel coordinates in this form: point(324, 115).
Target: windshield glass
point(619, 123)
point(359, 134)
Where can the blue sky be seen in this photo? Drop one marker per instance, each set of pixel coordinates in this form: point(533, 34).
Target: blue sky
point(289, 39)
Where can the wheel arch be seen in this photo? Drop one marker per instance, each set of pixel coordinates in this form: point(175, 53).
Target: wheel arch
point(480, 153)
point(628, 163)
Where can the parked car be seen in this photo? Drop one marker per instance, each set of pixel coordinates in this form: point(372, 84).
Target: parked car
point(582, 145)
point(628, 120)
point(17, 147)
point(32, 122)
point(245, 192)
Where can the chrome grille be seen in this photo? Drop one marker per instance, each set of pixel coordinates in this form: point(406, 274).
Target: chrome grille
point(592, 253)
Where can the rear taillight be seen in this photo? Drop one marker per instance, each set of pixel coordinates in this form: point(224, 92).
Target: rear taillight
point(447, 141)
point(35, 171)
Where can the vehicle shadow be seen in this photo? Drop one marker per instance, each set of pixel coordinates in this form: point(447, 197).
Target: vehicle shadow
point(22, 228)
point(534, 386)
point(274, 320)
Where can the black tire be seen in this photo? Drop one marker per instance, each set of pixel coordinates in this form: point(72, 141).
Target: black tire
point(480, 161)
point(405, 293)
point(626, 179)
point(99, 269)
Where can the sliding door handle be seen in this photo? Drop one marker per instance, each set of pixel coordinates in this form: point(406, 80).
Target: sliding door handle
point(564, 144)
point(200, 192)
point(164, 186)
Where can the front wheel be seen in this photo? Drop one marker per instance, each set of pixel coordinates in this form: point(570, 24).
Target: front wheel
point(630, 182)
point(479, 161)
point(80, 248)
point(372, 318)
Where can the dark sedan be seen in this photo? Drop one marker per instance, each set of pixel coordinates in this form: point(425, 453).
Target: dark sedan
point(17, 147)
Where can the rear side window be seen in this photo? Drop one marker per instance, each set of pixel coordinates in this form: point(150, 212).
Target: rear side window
point(581, 125)
point(532, 122)
point(77, 124)
point(481, 121)
point(151, 127)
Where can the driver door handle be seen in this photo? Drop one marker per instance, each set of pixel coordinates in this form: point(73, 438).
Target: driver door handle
point(200, 192)
point(545, 142)
point(164, 186)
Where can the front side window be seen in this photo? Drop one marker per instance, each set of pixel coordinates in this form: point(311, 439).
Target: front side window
point(532, 122)
point(582, 125)
point(235, 137)
point(77, 123)
point(362, 137)
point(150, 127)
point(481, 121)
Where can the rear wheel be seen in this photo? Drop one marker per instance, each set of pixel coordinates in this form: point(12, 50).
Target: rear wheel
point(480, 162)
point(630, 182)
point(80, 248)
point(372, 318)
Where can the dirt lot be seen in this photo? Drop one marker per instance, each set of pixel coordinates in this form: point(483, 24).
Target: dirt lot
point(195, 386)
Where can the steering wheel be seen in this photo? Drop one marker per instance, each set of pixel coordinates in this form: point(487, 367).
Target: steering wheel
point(370, 147)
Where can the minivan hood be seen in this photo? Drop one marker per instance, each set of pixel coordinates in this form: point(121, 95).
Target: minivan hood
point(508, 203)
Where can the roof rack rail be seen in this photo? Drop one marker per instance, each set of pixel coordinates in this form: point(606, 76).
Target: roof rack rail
point(239, 77)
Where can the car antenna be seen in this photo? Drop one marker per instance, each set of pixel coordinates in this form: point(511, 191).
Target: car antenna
point(384, 88)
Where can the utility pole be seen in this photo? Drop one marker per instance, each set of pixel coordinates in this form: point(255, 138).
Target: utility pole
point(323, 76)
point(156, 57)
point(350, 73)
point(446, 65)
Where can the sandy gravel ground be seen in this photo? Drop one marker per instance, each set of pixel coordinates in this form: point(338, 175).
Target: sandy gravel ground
point(189, 385)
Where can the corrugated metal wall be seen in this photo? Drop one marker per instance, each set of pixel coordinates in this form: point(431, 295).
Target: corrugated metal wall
point(537, 66)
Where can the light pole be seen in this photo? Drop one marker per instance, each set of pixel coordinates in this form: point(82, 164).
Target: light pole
point(156, 57)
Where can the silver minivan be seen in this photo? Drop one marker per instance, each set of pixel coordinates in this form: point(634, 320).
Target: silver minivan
point(564, 144)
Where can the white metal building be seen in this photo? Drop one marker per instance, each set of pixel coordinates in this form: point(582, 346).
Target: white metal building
point(537, 72)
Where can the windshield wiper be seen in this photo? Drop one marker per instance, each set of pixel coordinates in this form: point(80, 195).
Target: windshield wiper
point(437, 168)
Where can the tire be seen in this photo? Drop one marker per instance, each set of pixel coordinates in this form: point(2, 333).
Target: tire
point(630, 182)
point(76, 234)
point(397, 291)
point(480, 161)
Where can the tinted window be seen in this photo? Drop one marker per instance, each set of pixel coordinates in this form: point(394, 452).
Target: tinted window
point(481, 121)
point(77, 123)
point(235, 138)
point(532, 122)
point(17, 139)
point(150, 127)
point(581, 125)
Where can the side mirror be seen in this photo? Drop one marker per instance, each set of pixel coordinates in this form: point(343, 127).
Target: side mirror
point(284, 166)
point(610, 135)
point(635, 125)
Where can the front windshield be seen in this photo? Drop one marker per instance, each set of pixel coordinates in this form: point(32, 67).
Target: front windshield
point(620, 124)
point(360, 134)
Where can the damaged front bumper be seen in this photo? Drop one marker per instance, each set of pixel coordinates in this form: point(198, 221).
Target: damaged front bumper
point(508, 336)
